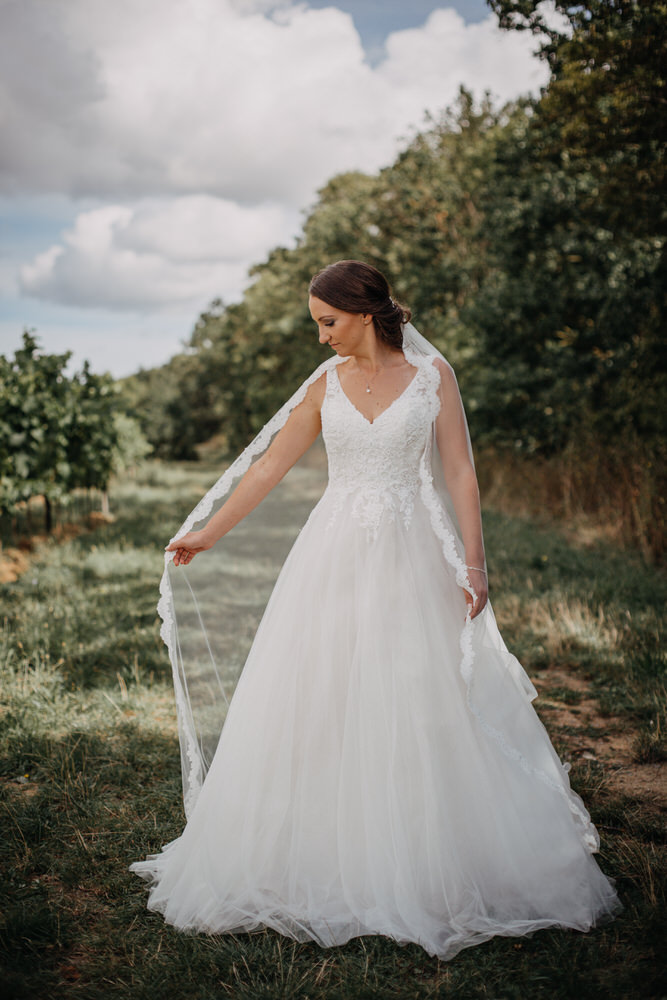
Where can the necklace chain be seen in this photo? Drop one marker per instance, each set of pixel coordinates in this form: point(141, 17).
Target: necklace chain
point(370, 381)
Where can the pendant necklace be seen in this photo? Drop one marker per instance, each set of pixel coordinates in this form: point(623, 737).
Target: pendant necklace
point(368, 383)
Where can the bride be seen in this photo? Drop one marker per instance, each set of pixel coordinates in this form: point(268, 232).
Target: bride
point(381, 769)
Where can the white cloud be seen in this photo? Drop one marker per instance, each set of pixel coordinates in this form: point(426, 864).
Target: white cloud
point(200, 227)
point(424, 66)
point(553, 18)
point(156, 253)
point(143, 97)
point(200, 128)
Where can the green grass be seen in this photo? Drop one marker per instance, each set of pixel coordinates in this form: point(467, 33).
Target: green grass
point(90, 781)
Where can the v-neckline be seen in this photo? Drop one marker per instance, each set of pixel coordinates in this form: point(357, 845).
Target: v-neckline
point(371, 423)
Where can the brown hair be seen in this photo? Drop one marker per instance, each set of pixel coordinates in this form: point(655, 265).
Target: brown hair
point(356, 287)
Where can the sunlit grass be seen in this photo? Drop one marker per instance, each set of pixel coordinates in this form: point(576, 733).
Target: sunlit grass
point(563, 625)
point(90, 777)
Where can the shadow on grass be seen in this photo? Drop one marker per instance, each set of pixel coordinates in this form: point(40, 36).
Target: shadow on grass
point(76, 810)
point(75, 922)
point(90, 781)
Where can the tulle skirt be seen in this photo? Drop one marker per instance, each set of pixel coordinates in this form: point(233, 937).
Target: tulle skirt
point(355, 791)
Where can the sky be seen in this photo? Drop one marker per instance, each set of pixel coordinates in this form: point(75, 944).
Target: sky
point(152, 150)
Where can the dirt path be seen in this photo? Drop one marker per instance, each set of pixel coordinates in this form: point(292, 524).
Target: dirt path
point(586, 734)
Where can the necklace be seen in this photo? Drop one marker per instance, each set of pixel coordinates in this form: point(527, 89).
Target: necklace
point(369, 382)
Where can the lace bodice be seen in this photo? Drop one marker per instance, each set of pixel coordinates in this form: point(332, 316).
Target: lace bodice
point(377, 464)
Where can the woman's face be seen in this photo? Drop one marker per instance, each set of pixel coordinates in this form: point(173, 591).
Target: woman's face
point(342, 331)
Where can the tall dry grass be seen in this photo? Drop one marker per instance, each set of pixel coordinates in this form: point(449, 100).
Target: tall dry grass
point(595, 493)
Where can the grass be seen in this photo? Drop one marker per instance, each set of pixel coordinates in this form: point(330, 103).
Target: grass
point(90, 781)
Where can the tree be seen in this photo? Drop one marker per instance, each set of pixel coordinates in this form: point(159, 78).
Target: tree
point(56, 433)
point(573, 301)
point(92, 436)
point(35, 412)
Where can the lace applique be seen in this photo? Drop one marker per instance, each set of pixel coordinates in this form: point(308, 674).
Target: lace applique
point(374, 467)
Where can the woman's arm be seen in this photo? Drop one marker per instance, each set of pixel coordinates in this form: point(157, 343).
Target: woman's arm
point(461, 480)
point(292, 441)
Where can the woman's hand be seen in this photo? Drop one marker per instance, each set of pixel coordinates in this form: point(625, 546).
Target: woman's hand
point(187, 547)
point(480, 586)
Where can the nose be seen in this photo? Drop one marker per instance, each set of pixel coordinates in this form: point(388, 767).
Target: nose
point(325, 336)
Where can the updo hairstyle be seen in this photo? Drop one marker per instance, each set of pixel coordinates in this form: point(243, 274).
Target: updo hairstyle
point(356, 287)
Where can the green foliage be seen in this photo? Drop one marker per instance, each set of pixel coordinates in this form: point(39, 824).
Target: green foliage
point(569, 309)
point(35, 410)
point(171, 406)
point(92, 434)
point(57, 433)
point(131, 446)
point(573, 301)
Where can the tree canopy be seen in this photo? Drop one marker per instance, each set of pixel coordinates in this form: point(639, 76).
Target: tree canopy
point(529, 241)
point(58, 433)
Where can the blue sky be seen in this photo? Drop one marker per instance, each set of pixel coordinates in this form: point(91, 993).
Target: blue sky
point(375, 19)
point(164, 146)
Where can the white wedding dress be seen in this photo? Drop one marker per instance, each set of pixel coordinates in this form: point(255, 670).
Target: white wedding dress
point(381, 771)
